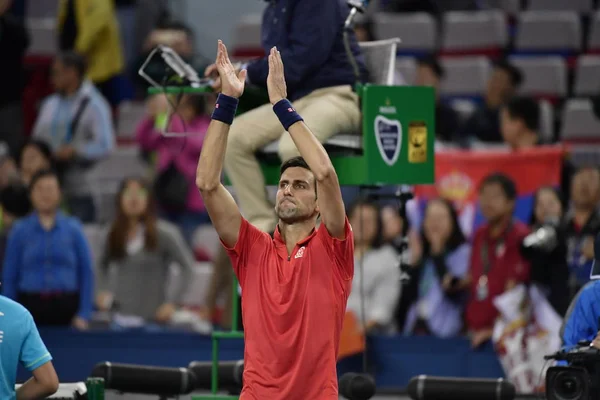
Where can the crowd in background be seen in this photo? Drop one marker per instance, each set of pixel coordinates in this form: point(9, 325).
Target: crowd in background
point(49, 267)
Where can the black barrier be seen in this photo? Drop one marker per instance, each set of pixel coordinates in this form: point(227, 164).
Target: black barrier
point(229, 373)
point(142, 379)
point(436, 388)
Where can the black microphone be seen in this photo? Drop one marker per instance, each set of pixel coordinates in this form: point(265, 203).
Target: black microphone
point(436, 388)
point(229, 372)
point(355, 386)
point(142, 379)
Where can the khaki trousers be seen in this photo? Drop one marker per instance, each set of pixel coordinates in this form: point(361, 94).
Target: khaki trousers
point(327, 112)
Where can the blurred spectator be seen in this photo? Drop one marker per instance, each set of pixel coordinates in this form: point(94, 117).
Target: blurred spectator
point(15, 203)
point(549, 269)
point(582, 224)
point(48, 265)
point(126, 11)
point(484, 124)
point(17, 8)
point(35, 156)
point(149, 14)
point(395, 226)
point(496, 261)
point(8, 171)
point(173, 34)
point(520, 124)
point(175, 186)
point(220, 286)
point(76, 122)
point(14, 41)
point(379, 281)
point(319, 81)
point(90, 28)
point(430, 73)
point(363, 29)
point(140, 246)
point(436, 291)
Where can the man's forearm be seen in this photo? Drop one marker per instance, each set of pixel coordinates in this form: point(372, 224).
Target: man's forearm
point(33, 390)
point(307, 144)
point(212, 156)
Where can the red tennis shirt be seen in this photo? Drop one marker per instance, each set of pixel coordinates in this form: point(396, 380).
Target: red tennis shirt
point(293, 308)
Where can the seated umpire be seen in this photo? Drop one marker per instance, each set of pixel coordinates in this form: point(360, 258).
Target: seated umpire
point(582, 319)
point(320, 80)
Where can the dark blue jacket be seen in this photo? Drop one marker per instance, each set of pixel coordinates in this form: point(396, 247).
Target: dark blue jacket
point(308, 33)
point(581, 321)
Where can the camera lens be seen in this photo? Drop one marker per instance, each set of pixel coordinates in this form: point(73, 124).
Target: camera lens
point(568, 386)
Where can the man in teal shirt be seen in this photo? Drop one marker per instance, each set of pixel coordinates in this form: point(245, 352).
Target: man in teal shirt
point(20, 341)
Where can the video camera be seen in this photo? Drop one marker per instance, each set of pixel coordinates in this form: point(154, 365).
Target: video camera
point(580, 379)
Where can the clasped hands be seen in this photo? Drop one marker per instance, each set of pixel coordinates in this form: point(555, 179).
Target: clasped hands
point(230, 79)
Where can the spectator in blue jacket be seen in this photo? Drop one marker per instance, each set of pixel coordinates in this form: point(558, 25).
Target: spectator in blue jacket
point(582, 321)
point(320, 79)
point(48, 264)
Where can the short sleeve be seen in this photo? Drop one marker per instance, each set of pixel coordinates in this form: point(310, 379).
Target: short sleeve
point(34, 353)
point(248, 236)
point(342, 250)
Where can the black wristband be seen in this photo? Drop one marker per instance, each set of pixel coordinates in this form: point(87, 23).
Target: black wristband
point(225, 109)
point(286, 113)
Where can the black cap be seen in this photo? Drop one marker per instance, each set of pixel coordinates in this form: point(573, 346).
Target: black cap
point(595, 274)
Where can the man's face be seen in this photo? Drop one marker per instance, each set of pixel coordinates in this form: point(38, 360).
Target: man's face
point(62, 76)
point(494, 204)
point(499, 87)
point(585, 188)
point(510, 127)
point(45, 194)
point(296, 196)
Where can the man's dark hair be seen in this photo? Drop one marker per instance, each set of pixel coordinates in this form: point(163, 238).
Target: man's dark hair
point(40, 145)
point(508, 185)
point(14, 199)
point(294, 162)
point(76, 61)
point(516, 77)
point(174, 25)
point(432, 63)
point(45, 173)
point(525, 109)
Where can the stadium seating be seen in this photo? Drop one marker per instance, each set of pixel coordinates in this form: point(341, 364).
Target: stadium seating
point(548, 32)
point(483, 32)
point(43, 35)
point(129, 116)
point(587, 76)
point(544, 76)
point(418, 31)
point(580, 6)
point(579, 121)
point(465, 76)
point(594, 37)
point(247, 37)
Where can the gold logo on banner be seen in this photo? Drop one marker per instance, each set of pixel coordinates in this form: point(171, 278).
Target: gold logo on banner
point(417, 142)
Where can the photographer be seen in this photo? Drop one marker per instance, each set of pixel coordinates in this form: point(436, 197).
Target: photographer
point(546, 249)
point(582, 319)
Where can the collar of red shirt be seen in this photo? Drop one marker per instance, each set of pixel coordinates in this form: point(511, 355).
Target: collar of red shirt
point(279, 240)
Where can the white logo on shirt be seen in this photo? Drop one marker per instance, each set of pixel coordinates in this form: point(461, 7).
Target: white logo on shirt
point(1, 336)
point(300, 252)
